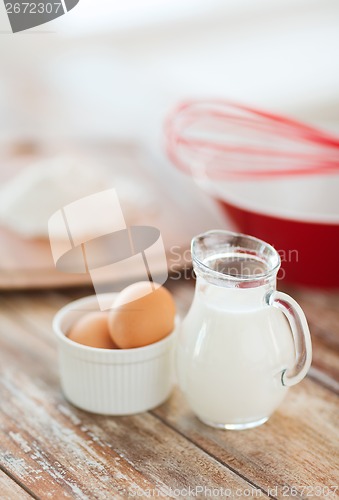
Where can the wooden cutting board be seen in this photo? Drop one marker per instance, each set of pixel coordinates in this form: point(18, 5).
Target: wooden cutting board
point(28, 263)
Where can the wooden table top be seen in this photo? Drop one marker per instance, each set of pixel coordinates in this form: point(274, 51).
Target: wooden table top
point(51, 450)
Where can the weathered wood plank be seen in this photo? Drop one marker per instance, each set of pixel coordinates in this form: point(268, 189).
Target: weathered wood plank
point(298, 446)
point(322, 312)
point(10, 490)
point(34, 311)
point(325, 364)
point(58, 451)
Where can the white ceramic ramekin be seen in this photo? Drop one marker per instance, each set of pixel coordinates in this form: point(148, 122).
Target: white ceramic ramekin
point(112, 381)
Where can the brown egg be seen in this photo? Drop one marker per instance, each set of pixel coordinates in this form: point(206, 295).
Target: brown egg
point(141, 315)
point(92, 330)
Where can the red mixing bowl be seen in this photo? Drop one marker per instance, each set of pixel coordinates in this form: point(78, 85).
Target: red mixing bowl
point(300, 222)
point(277, 179)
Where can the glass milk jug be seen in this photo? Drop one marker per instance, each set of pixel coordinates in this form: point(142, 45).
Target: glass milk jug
point(242, 343)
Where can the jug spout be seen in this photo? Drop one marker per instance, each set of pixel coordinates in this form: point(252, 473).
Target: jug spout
point(234, 260)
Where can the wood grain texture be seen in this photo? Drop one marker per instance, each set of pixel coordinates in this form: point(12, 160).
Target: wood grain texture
point(298, 446)
point(322, 312)
point(58, 451)
point(10, 490)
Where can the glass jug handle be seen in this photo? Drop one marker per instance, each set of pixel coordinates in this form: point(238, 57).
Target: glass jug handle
point(301, 336)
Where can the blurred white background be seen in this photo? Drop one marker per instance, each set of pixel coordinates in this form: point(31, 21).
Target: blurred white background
point(113, 69)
